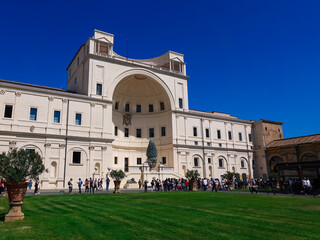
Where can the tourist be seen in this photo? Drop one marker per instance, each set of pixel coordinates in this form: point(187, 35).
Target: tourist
point(80, 184)
point(107, 184)
point(70, 184)
point(36, 188)
point(95, 185)
point(139, 182)
point(91, 186)
point(205, 184)
point(86, 184)
point(30, 184)
point(146, 186)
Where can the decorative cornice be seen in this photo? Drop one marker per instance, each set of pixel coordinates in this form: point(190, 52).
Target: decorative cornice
point(55, 136)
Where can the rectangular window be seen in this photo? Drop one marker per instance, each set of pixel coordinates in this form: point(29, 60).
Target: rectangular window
point(8, 111)
point(250, 139)
point(242, 164)
point(161, 106)
point(138, 109)
point(150, 107)
point(164, 160)
point(115, 130)
point(76, 159)
point(230, 135)
point(195, 142)
point(115, 160)
point(209, 160)
point(180, 103)
point(78, 119)
point(56, 117)
point(151, 132)
point(126, 164)
point(99, 89)
point(138, 133)
point(28, 150)
point(116, 106)
point(127, 107)
point(33, 114)
point(208, 144)
point(207, 132)
point(163, 131)
point(240, 137)
point(220, 144)
point(126, 132)
point(195, 132)
point(196, 162)
point(220, 162)
point(139, 161)
point(219, 134)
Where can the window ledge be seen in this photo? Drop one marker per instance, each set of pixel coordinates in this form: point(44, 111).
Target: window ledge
point(221, 167)
point(75, 164)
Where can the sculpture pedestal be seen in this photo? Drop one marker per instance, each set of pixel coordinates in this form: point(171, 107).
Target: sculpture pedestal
point(15, 212)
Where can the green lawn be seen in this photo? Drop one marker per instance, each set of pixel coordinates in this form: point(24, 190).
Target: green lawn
point(174, 215)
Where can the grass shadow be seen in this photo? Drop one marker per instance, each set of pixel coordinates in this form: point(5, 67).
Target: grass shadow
point(2, 215)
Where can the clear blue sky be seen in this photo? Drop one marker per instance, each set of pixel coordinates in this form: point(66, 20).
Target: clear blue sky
point(252, 59)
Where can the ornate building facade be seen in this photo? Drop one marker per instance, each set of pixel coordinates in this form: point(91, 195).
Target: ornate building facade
point(112, 108)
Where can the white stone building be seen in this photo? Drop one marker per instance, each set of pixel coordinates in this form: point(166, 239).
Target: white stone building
point(112, 108)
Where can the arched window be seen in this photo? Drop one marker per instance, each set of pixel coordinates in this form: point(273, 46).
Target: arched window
point(97, 168)
point(309, 157)
point(274, 161)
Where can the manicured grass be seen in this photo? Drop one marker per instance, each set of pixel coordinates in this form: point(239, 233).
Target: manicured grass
point(173, 215)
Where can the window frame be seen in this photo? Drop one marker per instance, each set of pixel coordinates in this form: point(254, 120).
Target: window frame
point(126, 132)
point(195, 131)
point(151, 130)
point(127, 107)
point(54, 112)
point(4, 112)
point(196, 161)
point(162, 106)
point(73, 157)
point(75, 119)
point(163, 131)
point(36, 116)
point(138, 129)
point(140, 108)
point(151, 108)
point(97, 92)
point(180, 103)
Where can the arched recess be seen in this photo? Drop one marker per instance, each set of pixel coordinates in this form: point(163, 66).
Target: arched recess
point(31, 146)
point(273, 163)
point(83, 155)
point(224, 162)
point(97, 168)
point(210, 172)
point(53, 169)
point(244, 163)
point(309, 157)
point(146, 73)
point(184, 168)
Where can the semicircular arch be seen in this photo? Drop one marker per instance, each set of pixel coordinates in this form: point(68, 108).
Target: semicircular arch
point(147, 73)
point(32, 146)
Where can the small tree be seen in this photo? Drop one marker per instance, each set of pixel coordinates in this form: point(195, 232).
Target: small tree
point(192, 174)
point(229, 175)
point(18, 165)
point(118, 175)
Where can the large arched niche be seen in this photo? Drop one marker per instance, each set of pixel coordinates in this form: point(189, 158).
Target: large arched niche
point(142, 88)
point(145, 76)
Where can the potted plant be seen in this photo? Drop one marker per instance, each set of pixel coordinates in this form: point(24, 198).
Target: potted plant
point(192, 175)
point(16, 167)
point(117, 175)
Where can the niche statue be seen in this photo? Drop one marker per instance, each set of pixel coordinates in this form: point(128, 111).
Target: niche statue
point(152, 154)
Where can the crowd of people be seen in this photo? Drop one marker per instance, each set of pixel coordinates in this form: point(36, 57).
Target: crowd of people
point(284, 185)
point(90, 185)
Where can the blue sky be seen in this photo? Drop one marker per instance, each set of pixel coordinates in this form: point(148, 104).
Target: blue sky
point(252, 59)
